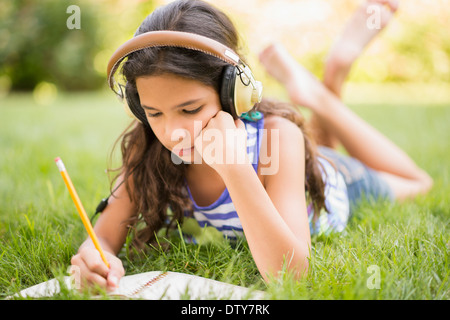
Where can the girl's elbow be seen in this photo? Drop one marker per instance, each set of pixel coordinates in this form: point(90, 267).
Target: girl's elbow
point(303, 268)
point(300, 265)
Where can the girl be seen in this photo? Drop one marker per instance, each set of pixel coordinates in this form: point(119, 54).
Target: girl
point(311, 190)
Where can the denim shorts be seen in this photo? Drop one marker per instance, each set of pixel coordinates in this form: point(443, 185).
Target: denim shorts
point(362, 182)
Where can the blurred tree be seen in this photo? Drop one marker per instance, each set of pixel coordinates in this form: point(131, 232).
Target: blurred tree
point(38, 46)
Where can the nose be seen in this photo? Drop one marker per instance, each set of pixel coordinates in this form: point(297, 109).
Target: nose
point(178, 135)
point(175, 131)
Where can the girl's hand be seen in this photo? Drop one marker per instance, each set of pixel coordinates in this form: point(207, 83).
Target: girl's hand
point(223, 142)
point(94, 271)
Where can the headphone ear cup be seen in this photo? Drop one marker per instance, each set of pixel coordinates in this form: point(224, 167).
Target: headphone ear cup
point(134, 104)
point(227, 90)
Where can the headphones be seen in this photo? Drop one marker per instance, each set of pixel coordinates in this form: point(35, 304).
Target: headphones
point(239, 91)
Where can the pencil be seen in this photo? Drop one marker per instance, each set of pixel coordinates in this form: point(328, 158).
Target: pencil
point(80, 208)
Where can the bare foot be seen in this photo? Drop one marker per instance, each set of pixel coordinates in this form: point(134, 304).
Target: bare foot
point(367, 21)
point(303, 87)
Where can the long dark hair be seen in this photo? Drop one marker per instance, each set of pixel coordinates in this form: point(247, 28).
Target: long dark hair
point(155, 184)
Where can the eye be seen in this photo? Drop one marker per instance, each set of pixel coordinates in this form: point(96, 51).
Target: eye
point(192, 111)
point(153, 115)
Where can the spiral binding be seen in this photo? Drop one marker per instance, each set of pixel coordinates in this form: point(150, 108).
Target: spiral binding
point(149, 283)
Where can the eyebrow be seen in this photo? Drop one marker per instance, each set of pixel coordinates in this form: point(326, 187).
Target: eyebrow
point(184, 104)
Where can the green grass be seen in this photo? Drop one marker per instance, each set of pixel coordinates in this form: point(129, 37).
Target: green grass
point(40, 230)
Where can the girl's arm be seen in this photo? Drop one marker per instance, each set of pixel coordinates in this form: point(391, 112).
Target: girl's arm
point(112, 225)
point(273, 216)
point(111, 232)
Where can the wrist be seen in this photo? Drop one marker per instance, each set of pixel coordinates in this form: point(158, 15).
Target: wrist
point(88, 244)
point(229, 172)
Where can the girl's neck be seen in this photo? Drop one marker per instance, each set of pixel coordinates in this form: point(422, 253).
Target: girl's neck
point(200, 170)
point(205, 184)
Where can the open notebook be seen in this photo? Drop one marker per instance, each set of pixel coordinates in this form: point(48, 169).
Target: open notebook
point(156, 285)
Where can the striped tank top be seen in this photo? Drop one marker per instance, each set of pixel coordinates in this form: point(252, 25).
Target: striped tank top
point(222, 216)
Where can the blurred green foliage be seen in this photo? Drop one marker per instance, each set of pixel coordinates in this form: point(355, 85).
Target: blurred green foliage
point(36, 45)
point(38, 50)
point(422, 52)
point(411, 51)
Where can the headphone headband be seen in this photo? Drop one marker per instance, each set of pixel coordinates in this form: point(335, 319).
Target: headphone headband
point(237, 96)
point(171, 39)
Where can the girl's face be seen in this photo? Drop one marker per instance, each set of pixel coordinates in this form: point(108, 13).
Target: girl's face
point(177, 109)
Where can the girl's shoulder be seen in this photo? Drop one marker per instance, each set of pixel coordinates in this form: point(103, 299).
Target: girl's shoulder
point(282, 144)
point(284, 127)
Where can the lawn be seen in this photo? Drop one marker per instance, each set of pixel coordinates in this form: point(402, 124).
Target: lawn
point(389, 251)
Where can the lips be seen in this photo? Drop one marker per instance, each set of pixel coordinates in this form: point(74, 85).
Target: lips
point(185, 151)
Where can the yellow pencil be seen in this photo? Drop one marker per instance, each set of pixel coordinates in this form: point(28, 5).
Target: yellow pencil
point(80, 208)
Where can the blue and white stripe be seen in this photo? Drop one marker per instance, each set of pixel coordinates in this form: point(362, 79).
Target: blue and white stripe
point(222, 214)
point(336, 201)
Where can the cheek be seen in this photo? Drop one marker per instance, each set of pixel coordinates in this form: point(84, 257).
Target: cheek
point(181, 135)
point(211, 112)
point(192, 127)
point(159, 132)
